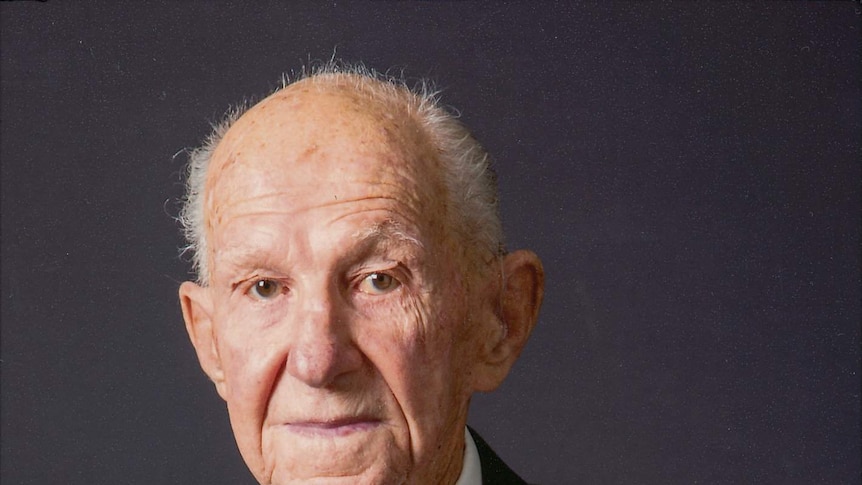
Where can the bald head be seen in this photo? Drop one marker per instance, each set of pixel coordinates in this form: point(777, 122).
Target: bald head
point(317, 125)
point(321, 143)
point(332, 103)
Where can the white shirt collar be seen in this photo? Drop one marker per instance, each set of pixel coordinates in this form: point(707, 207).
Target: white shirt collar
point(471, 472)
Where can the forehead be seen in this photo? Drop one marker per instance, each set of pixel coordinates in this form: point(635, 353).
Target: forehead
point(323, 140)
point(313, 115)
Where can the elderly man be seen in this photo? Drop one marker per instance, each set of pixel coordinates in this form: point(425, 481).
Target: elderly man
point(352, 289)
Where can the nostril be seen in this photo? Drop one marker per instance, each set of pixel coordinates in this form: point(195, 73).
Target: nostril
point(319, 362)
point(313, 364)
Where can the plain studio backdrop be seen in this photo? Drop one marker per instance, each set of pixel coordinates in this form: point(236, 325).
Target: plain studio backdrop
point(689, 173)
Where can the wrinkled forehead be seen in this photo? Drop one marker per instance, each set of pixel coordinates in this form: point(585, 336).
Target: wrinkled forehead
point(318, 132)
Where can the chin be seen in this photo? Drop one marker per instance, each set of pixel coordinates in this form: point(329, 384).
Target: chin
point(379, 475)
point(350, 454)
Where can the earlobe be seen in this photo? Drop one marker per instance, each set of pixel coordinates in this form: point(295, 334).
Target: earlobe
point(197, 312)
point(519, 297)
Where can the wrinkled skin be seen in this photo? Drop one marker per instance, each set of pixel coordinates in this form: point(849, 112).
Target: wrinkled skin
point(340, 324)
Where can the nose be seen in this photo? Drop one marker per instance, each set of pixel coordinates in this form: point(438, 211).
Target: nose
point(322, 348)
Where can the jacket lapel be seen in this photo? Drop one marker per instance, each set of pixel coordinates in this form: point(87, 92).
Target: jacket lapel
point(494, 470)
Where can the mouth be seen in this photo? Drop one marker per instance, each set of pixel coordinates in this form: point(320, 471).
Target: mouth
point(332, 427)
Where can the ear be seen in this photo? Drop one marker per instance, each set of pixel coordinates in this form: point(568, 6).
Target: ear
point(197, 308)
point(517, 300)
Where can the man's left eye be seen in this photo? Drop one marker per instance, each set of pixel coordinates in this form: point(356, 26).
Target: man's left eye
point(378, 284)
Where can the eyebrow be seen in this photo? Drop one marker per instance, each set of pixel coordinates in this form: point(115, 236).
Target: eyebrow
point(387, 230)
point(380, 235)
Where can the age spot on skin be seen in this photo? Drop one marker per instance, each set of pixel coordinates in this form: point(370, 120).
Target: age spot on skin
point(311, 150)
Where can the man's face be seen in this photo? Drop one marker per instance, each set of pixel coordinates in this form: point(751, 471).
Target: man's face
point(337, 310)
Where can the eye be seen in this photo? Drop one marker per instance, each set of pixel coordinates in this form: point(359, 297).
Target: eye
point(378, 284)
point(265, 289)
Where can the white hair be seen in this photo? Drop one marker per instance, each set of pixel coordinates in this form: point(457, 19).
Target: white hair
point(469, 180)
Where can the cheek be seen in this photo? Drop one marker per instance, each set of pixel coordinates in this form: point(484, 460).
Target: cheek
point(251, 360)
point(416, 355)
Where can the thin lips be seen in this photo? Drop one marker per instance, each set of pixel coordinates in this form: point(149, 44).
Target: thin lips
point(331, 428)
point(333, 423)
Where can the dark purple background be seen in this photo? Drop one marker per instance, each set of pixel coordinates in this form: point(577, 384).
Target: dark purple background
point(689, 172)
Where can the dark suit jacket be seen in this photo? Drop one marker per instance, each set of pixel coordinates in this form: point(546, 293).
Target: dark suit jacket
point(494, 471)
